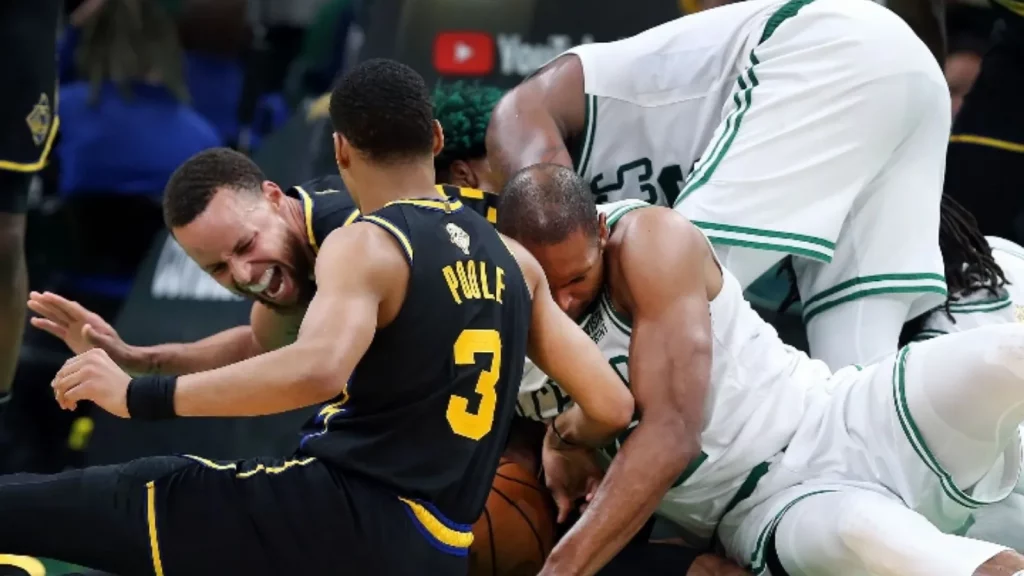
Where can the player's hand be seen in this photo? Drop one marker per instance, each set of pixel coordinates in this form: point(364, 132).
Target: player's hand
point(82, 330)
point(570, 473)
point(95, 377)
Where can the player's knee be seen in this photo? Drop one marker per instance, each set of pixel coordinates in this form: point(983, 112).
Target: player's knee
point(1003, 347)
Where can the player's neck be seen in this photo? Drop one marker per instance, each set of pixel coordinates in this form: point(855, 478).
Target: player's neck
point(378, 187)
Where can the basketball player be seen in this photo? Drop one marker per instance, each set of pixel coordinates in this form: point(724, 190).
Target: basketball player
point(417, 352)
point(779, 127)
point(464, 110)
point(877, 457)
point(986, 282)
point(304, 216)
point(28, 125)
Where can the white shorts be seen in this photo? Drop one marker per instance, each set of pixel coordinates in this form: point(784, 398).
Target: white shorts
point(832, 150)
point(859, 435)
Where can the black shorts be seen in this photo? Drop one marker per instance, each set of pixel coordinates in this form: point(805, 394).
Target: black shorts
point(986, 150)
point(184, 516)
point(28, 101)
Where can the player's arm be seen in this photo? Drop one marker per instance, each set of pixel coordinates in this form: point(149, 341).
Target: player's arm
point(83, 330)
point(336, 331)
point(530, 124)
point(662, 262)
point(603, 405)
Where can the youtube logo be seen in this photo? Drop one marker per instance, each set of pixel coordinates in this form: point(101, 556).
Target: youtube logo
point(464, 53)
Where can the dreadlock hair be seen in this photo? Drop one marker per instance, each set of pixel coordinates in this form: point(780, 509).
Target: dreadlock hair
point(967, 256)
point(127, 41)
point(464, 111)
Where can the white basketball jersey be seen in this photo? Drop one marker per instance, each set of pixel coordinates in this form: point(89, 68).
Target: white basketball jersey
point(654, 100)
point(757, 394)
point(982, 307)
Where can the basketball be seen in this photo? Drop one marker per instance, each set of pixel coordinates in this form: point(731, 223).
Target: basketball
point(517, 529)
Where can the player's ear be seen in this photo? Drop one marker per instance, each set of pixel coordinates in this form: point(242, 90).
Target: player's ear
point(342, 152)
point(438, 138)
point(602, 230)
point(462, 175)
point(272, 192)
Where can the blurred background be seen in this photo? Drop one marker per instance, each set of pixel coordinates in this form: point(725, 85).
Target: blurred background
point(253, 74)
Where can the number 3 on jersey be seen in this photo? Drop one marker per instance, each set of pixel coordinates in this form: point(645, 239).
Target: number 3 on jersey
point(463, 422)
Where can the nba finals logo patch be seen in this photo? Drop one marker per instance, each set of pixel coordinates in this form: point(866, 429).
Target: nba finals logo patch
point(458, 237)
point(39, 120)
point(1018, 312)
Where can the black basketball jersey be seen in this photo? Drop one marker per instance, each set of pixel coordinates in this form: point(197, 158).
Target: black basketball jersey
point(427, 410)
point(328, 205)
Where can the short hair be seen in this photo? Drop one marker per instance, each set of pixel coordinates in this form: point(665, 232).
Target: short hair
point(194, 183)
point(464, 110)
point(383, 108)
point(544, 204)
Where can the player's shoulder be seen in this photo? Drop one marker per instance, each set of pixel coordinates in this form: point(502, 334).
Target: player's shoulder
point(653, 232)
point(323, 186)
point(529, 268)
point(370, 245)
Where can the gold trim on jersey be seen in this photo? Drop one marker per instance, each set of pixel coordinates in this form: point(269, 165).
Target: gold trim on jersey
point(307, 209)
point(447, 205)
point(351, 217)
point(394, 230)
point(986, 141)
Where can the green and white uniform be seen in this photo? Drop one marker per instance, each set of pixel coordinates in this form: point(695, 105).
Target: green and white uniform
point(994, 523)
point(756, 397)
point(811, 128)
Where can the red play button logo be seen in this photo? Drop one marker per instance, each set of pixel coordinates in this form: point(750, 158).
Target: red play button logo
point(464, 53)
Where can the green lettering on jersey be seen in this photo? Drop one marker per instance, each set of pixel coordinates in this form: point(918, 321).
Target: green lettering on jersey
point(669, 180)
point(621, 366)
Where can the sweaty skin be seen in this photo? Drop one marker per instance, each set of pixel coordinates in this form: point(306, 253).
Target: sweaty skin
point(533, 121)
point(664, 287)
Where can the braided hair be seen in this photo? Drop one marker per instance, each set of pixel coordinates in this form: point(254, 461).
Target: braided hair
point(967, 255)
point(128, 41)
point(464, 111)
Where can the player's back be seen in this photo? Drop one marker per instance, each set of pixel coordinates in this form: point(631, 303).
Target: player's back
point(654, 100)
point(428, 408)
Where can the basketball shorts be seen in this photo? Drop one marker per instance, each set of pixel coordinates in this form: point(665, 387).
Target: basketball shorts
point(187, 516)
point(832, 151)
point(861, 436)
point(28, 102)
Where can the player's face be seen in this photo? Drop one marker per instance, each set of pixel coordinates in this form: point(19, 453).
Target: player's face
point(575, 270)
point(245, 242)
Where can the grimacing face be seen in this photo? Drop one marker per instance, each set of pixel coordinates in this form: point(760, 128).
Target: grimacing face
point(574, 268)
point(244, 242)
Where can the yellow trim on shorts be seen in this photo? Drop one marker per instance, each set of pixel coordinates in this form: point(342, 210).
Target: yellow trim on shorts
point(154, 540)
point(27, 563)
point(38, 164)
point(988, 142)
point(437, 528)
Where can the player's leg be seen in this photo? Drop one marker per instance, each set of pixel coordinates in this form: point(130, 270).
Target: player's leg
point(95, 517)
point(961, 396)
point(794, 152)
point(858, 532)
point(190, 516)
point(27, 129)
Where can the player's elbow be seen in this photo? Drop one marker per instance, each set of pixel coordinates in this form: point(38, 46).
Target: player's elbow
point(321, 376)
point(618, 414)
